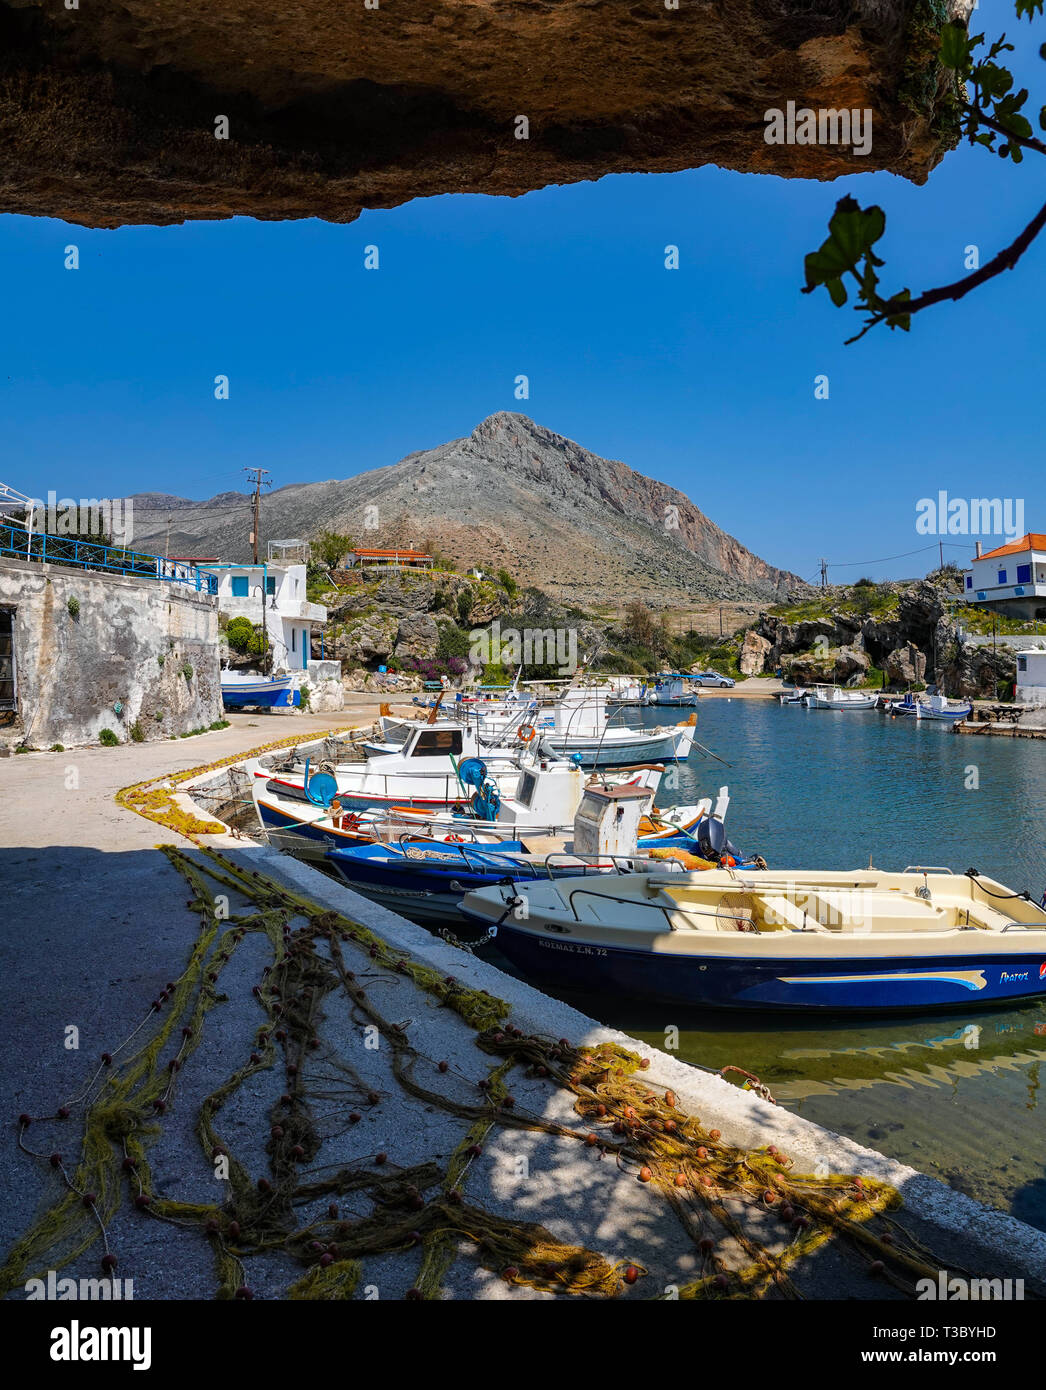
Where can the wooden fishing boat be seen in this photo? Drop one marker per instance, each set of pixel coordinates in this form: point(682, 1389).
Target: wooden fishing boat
point(940, 708)
point(247, 688)
point(834, 697)
point(831, 942)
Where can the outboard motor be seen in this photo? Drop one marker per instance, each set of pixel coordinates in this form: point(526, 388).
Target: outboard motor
point(713, 843)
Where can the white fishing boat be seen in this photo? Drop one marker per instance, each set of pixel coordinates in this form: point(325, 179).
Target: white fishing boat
point(940, 707)
point(793, 697)
point(867, 940)
point(576, 726)
point(428, 770)
point(675, 690)
point(581, 728)
point(835, 697)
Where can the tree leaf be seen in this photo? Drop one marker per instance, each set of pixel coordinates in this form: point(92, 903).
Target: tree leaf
point(955, 47)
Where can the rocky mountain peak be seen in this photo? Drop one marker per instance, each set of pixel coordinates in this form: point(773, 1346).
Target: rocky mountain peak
point(511, 494)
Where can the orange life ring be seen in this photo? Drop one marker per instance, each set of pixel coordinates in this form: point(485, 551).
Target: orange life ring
point(454, 839)
point(525, 732)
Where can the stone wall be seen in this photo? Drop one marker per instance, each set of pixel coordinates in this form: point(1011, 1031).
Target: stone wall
point(85, 642)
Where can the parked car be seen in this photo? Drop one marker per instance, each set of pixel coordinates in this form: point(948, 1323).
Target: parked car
point(715, 679)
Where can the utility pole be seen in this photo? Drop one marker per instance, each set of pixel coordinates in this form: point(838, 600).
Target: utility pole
point(257, 476)
point(824, 574)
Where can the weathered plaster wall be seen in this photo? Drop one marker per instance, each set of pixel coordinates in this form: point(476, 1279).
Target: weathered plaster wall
point(326, 693)
point(108, 110)
point(130, 643)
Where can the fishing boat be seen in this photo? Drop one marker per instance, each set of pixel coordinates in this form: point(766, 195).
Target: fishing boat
point(834, 697)
point(425, 878)
point(307, 817)
point(907, 706)
point(793, 697)
point(939, 707)
point(424, 771)
point(581, 728)
point(873, 941)
point(577, 726)
point(242, 688)
point(675, 690)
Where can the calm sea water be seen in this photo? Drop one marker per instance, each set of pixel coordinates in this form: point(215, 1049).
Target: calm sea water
point(956, 1095)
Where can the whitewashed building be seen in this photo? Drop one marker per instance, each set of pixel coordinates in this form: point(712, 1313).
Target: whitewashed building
point(1011, 578)
point(290, 619)
point(1031, 676)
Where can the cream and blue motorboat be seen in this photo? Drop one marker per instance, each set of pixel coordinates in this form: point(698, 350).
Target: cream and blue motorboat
point(828, 942)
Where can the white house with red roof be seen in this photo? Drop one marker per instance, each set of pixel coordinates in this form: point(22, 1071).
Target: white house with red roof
point(1012, 578)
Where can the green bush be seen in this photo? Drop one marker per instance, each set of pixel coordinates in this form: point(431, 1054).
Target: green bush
point(73, 605)
point(137, 733)
point(108, 739)
point(243, 636)
point(303, 696)
point(57, 747)
point(238, 633)
point(158, 716)
point(507, 583)
point(187, 671)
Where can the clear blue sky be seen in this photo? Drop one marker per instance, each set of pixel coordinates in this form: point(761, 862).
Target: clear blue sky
point(702, 377)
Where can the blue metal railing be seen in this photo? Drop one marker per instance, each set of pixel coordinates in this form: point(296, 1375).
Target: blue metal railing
point(17, 544)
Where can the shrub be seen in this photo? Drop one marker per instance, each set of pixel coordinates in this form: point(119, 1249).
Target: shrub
point(303, 696)
point(158, 716)
point(160, 660)
point(57, 747)
point(137, 733)
point(187, 671)
point(73, 604)
point(238, 633)
point(507, 583)
point(108, 739)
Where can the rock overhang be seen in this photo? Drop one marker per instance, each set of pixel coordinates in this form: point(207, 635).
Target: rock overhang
point(110, 113)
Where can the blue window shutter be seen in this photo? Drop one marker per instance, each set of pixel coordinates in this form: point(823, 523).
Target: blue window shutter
point(239, 586)
point(1024, 574)
point(1002, 576)
point(969, 581)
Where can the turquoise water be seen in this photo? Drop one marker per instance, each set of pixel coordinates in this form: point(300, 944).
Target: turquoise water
point(958, 1095)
